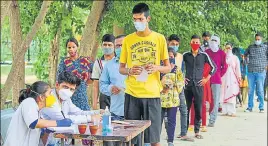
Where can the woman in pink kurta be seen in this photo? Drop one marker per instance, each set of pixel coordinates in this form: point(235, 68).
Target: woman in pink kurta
point(230, 83)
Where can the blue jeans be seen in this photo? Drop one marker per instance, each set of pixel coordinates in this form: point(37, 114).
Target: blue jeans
point(258, 80)
point(216, 92)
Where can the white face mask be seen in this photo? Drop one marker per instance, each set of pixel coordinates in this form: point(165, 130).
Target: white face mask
point(229, 52)
point(213, 46)
point(65, 94)
point(140, 26)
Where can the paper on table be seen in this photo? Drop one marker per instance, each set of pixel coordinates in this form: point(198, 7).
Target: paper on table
point(70, 129)
point(143, 76)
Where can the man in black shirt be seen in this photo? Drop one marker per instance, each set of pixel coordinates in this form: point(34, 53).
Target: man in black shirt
point(194, 63)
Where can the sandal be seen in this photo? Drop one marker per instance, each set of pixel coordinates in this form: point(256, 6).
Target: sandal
point(224, 114)
point(191, 128)
point(199, 136)
point(203, 129)
point(232, 115)
point(186, 138)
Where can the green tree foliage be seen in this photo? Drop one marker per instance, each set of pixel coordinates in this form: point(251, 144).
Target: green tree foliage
point(234, 21)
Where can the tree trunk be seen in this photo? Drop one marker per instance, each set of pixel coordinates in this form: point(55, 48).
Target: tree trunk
point(89, 32)
point(5, 5)
point(89, 43)
point(22, 50)
point(95, 45)
point(16, 39)
point(118, 30)
point(54, 57)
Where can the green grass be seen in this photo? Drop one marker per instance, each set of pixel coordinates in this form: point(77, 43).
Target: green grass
point(5, 69)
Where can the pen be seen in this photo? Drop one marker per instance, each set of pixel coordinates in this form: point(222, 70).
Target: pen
point(62, 114)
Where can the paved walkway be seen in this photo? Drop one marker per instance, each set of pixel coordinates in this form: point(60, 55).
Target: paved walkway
point(247, 129)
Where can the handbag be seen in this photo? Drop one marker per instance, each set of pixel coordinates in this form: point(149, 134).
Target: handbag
point(244, 82)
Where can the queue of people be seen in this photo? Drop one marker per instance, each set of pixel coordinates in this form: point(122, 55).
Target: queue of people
point(141, 76)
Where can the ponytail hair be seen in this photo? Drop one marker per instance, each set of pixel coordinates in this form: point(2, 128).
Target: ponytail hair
point(33, 90)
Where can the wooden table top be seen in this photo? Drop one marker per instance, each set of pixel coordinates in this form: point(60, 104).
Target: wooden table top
point(121, 132)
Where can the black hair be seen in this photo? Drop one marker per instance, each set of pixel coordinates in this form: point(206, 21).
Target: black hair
point(108, 38)
point(258, 34)
point(34, 90)
point(195, 37)
point(120, 36)
point(141, 8)
point(236, 51)
point(68, 77)
point(170, 49)
point(206, 34)
point(173, 37)
point(229, 44)
point(72, 40)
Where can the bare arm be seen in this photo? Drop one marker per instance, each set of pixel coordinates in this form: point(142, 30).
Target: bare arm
point(95, 93)
point(166, 68)
point(122, 69)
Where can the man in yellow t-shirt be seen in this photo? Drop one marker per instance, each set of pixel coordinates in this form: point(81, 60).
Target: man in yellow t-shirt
point(142, 52)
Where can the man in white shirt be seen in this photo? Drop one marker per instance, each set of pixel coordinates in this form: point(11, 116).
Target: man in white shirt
point(63, 107)
point(108, 54)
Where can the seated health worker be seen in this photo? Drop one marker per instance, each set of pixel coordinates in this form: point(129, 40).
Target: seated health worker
point(25, 126)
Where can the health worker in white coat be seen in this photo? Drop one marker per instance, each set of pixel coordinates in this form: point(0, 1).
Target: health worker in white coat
point(25, 126)
point(64, 107)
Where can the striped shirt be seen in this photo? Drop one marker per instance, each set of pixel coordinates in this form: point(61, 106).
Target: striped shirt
point(257, 58)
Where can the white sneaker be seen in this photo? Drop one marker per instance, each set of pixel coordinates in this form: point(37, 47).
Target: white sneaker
point(248, 110)
point(170, 144)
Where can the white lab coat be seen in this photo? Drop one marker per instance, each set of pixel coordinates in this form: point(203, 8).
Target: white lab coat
point(19, 133)
point(69, 110)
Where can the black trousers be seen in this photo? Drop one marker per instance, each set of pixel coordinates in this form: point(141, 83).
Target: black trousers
point(104, 101)
point(195, 94)
point(239, 98)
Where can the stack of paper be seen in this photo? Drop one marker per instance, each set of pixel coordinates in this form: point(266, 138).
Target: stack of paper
point(63, 129)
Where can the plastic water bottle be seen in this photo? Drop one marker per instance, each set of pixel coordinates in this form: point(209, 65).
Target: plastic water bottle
point(106, 121)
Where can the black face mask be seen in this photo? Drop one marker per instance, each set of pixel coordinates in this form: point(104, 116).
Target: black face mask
point(205, 43)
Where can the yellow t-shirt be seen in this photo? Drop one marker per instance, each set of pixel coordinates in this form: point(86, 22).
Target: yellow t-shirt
point(138, 50)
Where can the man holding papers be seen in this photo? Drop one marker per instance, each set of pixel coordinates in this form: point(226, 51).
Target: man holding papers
point(141, 54)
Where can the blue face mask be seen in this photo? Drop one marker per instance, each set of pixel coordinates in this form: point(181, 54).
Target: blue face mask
point(118, 52)
point(172, 60)
point(176, 48)
point(107, 51)
point(258, 42)
point(140, 26)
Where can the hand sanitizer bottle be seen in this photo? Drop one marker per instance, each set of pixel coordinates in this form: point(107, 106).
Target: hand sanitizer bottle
point(106, 121)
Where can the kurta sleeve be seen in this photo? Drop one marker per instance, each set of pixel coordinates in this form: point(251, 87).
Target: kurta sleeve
point(237, 67)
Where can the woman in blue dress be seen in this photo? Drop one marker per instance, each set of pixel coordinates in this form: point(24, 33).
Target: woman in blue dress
point(82, 68)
